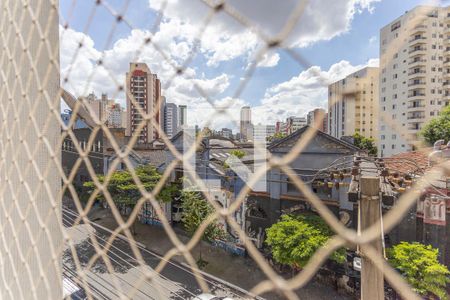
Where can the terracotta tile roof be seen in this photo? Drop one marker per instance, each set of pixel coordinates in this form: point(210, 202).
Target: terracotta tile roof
point(409, 162)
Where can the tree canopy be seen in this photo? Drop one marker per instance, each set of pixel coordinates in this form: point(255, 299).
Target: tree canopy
point(295, 239)
point(365, 143)
point(195, 211)
point(238, 153)
point(420, 266)
point(437, 128)
point(276, 136)
point(124, 190)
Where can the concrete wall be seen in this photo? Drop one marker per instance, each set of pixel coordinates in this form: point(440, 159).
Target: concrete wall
point(30, 213)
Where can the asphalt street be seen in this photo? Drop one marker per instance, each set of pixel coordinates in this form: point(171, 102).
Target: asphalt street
point(175, 281)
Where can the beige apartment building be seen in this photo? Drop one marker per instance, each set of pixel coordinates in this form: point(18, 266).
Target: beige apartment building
point(353, 104)
point(145, 88)
point(414, 75)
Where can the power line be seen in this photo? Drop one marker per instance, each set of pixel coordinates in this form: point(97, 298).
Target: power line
point(162, 258)
point(127, 262)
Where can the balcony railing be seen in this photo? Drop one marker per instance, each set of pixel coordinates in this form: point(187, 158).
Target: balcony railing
point(417, 72)
point(419, 117)
point(417, 49)
point(417, 61)
point(416, 95)
point(417, 83)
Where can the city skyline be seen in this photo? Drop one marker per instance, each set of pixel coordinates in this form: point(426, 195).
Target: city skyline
point(278, 81)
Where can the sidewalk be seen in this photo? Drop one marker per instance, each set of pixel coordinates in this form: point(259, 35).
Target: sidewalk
point(240, 271)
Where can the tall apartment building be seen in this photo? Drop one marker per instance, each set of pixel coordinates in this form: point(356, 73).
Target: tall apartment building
point(353, 104)
point(415, 75)
point(146, 90)
point(170, 119)
point(182, 116)
point(106, 110)
point(246, 128)
point(317, 114)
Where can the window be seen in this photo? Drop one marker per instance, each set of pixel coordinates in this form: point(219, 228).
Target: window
point(394, 136)
point(395, 26)
point(393, 146)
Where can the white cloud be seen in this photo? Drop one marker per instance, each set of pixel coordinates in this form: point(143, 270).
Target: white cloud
point(302, 93)
point(269, 60)
point(85, 75)
point(373, 40)
point(226, 39)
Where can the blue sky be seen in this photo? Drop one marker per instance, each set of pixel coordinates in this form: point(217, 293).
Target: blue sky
point(335, 37)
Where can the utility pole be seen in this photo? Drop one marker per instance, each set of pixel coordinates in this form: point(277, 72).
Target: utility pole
point(372, 281)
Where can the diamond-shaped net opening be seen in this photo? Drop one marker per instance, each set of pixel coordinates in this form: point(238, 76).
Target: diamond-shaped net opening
point(66, 152)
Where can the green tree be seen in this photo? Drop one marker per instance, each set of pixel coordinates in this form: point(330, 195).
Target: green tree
point(420, 266)
point(276, 136)
point(124, 190)
point(238, 153)
point(365, 143)
point(195, 211)
point(438, 128)
point(295, 239)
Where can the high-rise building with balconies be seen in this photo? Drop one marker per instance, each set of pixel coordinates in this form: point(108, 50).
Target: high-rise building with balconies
point(414, 75)
point(170, 119)
point(145, 88)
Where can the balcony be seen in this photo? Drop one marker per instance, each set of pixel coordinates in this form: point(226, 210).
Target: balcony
point(418, 29)
point(417, 40)
point(418, 50)
point(417, 62)
point(416, 72)
point(417, 83)
point(416, 96)
point(416, 117)
point(412, 106)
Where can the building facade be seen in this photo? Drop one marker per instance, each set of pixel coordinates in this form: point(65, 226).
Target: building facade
point(317, 114)
point(353, 104)
point(294, 123)
point(414, 75)
point(246, 128)
point(145, 87)
point(170, 119)
point(115, 114)
point(182, 116)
